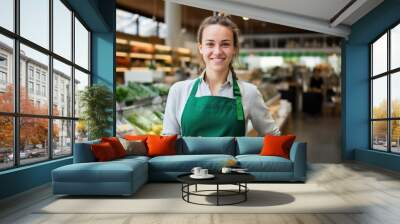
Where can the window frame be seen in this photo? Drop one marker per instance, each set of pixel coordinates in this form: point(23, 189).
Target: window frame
point(388, 74)
point(16, 115)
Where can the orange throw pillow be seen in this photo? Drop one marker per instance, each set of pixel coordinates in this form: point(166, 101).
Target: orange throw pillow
point(136, 137)
point(277, 145)
point(103, 152)
point(116, 145)
point(161, 145)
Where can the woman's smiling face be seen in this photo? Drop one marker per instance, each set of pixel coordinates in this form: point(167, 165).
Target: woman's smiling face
point(217, 48)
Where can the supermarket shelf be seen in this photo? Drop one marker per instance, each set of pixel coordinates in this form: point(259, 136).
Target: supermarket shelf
point(141, 55)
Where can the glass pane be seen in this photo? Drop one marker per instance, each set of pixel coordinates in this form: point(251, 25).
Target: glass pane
point(81, 131)
point(379, 135)
point(81, 81)
point(6, 75)
point(62, 89)
point(395, 94)
point(147, 27)
point(62, 29)
point(395, 47)
point(35, 21)
point(34, 79)
point(163, 30)
point(62, 141)
point(126, 22)
point(379, 55)
point(395, 136)
point(33, 139)
point(81, 45)
point(7, 14)
point(379, 98)
point(6, 142)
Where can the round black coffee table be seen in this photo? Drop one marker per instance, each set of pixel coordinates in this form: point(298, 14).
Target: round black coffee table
point(238, 179)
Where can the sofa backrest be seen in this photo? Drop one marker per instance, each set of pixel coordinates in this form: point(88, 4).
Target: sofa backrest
point(206, 145)
point(83, 152)
point(249, 145)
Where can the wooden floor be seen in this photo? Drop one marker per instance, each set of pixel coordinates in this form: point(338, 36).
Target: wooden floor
point(379, 190)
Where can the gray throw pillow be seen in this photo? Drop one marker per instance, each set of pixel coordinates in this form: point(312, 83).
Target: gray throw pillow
point(134, 147)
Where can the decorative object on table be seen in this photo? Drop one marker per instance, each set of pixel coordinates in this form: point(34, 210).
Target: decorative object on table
point(196, 170)
point(226, 170)
point(232, 163)
point(96, 102)
point(200, 173)
point(229, 170)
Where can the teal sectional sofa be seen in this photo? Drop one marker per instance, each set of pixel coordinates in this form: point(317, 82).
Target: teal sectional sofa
point(125, 176)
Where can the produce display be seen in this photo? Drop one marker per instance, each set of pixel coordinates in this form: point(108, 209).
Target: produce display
point(138, 91)
point(140, 119)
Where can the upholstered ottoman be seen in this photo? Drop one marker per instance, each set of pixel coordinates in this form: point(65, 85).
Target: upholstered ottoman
point(119, 177)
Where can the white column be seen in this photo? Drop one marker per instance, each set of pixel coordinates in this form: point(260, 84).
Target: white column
point(173, 21)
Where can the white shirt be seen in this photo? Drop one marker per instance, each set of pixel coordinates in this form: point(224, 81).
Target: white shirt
point(254, 107)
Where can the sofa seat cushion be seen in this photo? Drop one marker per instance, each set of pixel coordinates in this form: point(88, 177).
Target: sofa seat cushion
point(185, 163)
point(257, 163)
point(112, 171)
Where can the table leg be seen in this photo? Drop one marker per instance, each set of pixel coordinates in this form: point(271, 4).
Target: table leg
point(245, 193)
point(217, 194)
point(196, 188)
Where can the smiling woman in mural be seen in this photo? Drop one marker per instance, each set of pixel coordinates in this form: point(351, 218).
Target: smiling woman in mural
point(216, 104)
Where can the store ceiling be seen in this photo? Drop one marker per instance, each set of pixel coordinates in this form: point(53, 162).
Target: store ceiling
point(192, 17)
point(333, 17)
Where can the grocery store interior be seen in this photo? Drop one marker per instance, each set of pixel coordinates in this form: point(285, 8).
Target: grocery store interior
point(297, 71)
point(328, 72)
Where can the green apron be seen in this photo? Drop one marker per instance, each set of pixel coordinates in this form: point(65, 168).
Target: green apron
point(213, 116)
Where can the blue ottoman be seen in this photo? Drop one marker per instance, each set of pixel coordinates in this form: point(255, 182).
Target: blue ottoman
point(118, 177)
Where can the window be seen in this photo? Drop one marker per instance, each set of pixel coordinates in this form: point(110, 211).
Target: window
point(30, 73)
point(3, 71)
point(62, 29)
point(53, 125)
point(127, 22)
point(37, 74)
point(38, 89)
point(34, 21)
point(30, 87)
point(3, 61)
point(7, 14)
point(3, 78)
point(81, 45)
point(43, 90)
point(147, 27)
point(385, 94)
point(7, 90)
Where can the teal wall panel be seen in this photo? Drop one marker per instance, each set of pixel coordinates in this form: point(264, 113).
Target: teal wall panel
point(356, 101)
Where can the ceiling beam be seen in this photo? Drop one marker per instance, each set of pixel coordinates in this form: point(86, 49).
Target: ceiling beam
point(346, 12)
point(269, 15)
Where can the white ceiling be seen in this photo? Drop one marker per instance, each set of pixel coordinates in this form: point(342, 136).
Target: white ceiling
point(314, 15)
point(320, 9)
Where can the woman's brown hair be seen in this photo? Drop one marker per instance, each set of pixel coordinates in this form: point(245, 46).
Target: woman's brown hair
point(223, 20)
